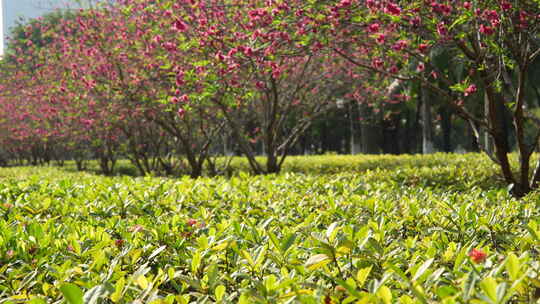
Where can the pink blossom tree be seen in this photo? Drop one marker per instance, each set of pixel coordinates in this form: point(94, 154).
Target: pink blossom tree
point(490, 47)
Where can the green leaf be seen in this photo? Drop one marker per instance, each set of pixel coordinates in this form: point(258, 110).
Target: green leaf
point(248, 257)
point(287, 242)
point(317, 261)
point(332, 231)
point(468, 288)
point(362, 275)
point(270, 282)
point(501, 291)
point(93, 295)
point(462, 19)
point(385, 294)
point(72, 293)
point(118, 290)
point(219, 292)
point(261, 256)
point(489, 287)
point(244, 299)
point(196, 261)
point(512, 266)
point(156, 252)
point(142, 281)
point(274, 240)
point(446, 291)
point(422, 269)
point(351, 289)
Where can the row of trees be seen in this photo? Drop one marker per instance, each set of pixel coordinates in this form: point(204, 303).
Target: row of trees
point(170, 83)
point(165, 81)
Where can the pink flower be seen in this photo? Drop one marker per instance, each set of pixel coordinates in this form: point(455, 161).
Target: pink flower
point(169, 46)
point(184, 98)
point(477, 255)
point(393, 9)
point(506, 5)
point(181, 112)
point(378, 63)
point(191, 222)
point(491, 14)
point(180, 26)
point(470, 90)
point(87, 122)
point(486, 30)
point(441, 29)
point(415, 21)
point(400, 45)
point(157, 39)
point(345, 3)
point(232, 52)
point(493, 17)
point(180, 79)
point(373, 28)
point(248, 51)
point(467, 5)
point(276, 72)
point(380, 38)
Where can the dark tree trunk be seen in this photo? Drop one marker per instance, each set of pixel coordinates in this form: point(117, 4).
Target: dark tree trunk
point(446, 125)
point(370, 132)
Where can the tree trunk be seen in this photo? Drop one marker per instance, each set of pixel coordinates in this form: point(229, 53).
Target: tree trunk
point(487, 140)
point(370, 132)
point(427, 123)
point(272, 165)
point(355, 147)
point(446, 125)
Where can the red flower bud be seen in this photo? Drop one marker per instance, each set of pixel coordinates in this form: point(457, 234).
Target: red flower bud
point(477, 256)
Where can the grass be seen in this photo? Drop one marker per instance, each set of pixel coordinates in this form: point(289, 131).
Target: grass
point(332, 229)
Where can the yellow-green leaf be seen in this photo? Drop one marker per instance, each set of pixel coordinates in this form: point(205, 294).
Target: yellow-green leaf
point(247, 256)
point(362, 275)
point(385, 294)
point(512, 266)
point(221, 246)
point(118, 290)
point(489, 286)
point(219, 292)
point(317, 261)
point(142, 282)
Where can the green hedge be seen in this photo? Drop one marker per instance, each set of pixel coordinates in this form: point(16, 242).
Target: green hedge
point(385, 230)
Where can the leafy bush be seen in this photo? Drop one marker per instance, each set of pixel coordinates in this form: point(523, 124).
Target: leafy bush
point(399, 230)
